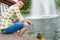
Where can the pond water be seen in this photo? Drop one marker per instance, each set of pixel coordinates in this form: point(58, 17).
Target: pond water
point(49, 28)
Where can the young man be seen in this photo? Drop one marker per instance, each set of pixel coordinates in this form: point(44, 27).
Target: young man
point(11, 15)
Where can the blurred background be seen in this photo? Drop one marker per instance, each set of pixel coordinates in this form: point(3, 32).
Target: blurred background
point(44, 14)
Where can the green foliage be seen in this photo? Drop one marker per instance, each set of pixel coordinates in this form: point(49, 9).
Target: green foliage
point(26, 6)
point(58, 3)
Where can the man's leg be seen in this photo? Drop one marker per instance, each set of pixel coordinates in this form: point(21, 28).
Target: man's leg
point(21, 32)
point(13, 28)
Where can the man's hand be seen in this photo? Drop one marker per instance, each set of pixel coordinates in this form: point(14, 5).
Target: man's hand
point(28, 21)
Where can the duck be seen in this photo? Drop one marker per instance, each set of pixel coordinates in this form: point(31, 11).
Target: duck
point(40, 37)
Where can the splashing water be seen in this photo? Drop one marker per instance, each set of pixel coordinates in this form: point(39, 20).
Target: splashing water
point(42, 9)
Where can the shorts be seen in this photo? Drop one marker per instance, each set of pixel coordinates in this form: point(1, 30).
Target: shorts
point(13, 28)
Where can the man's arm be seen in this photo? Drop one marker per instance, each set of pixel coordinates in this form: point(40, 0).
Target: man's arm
point(20, 17)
